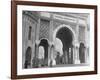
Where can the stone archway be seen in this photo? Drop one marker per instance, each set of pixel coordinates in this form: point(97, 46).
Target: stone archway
point(67, 35)
point(44, 43)
point(28, 53)
point(64, 26)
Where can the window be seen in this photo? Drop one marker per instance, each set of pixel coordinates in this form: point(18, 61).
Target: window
point(29, 35)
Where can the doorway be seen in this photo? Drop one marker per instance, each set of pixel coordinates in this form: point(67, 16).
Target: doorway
point(44, 44)
point(28, 53)
point(66, 35)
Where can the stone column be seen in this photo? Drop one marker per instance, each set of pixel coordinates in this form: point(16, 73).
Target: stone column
point(77, 60)
point(50, 37)
point(49, 53)
point(74, 56)
point(86, 42)
point(37, 48)
point(37, 38)
point(76, 44)
point(38, 29)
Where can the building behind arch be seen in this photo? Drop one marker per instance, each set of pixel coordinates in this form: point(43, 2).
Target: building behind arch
point(71, 28)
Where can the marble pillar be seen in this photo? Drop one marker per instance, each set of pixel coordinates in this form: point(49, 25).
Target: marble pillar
point(76, 44)
point(37, 38)
point(50, 38)
point(86, 42)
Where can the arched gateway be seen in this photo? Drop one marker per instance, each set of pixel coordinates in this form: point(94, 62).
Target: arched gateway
point(67, 35)
point(44, 44)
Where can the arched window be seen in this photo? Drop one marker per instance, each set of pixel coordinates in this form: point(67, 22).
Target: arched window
point(29, 33)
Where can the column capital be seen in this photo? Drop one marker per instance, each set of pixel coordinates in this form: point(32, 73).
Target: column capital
point(51, 43)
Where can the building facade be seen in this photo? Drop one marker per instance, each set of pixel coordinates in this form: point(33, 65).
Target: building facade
point(63, 36)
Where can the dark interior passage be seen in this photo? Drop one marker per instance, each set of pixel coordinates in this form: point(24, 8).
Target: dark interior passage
point(66, 36)
point(82, 53)
point(44, 43)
